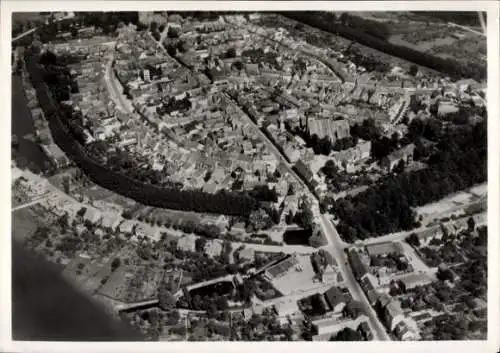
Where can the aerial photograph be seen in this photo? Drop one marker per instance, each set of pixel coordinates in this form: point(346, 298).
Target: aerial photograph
point(249, 176)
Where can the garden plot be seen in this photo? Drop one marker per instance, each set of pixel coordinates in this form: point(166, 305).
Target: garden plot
point(453, 204)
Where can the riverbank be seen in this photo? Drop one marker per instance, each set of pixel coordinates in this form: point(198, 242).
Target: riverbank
point(27, 153)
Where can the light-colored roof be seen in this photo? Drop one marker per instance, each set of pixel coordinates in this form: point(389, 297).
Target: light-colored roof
point(416, 279)
point(394, 308)
point(92, 215)
point(110, 220)
point(213, 248)
point(287, 307)
point(127, 226)
point(188, 242)
point(384, 248)
point(406, 150)
point(247, 253)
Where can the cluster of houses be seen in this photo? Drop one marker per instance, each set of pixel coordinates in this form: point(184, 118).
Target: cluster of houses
point(42, 131)
point(376, 282)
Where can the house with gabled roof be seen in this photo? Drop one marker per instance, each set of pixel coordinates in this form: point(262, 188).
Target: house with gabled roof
point(393, 314)
point(110, 220)
point(92, 215)
point(335, 299)
point(404, 154)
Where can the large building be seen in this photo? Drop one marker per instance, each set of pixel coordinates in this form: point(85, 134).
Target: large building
point(286, 308)
point(350, 156)
point(416, 279)
point(404, 154)
point(281, 268)
point(326, 127)
point(359, 267)
point(57, 156)
point(385, 248)
point(304, 170)
point(330, 326)
point(393, 314)
point(335, 299)
point(368, 283)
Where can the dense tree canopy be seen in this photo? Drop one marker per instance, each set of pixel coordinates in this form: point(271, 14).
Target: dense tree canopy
point(459, 162)
point(367, 33)
point(347, 334)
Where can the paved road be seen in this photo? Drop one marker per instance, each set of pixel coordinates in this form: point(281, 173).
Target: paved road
point(326, 62)
point(272, 147)
point(402, 235)
point(467, 28)
point(32, 202)
point(336, 247)
point(287, 249)
point(121, 307)
point(114, 89)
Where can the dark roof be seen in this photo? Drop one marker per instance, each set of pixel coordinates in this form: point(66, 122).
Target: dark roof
point(316, 259)
point(358, 267)
point(282, 267)
point(303, 169)
point(218, 74)
point(367, 284)
point(334, 296)
point(400, 329)
point(330, 259)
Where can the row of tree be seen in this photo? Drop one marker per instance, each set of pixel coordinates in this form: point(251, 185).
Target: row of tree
point(460, 162)
point(452, 68)
point(193, 200)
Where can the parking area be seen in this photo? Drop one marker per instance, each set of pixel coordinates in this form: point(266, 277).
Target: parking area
point(300, 277)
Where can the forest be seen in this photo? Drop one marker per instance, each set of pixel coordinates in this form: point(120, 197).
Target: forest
point(465, 18)
point(374, 28)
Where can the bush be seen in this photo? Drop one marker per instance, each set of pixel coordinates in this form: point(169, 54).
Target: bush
point(317, 240)
point(115, 263)
point(172, 32)
point(413, 239)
